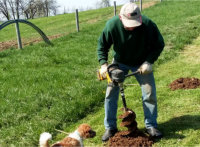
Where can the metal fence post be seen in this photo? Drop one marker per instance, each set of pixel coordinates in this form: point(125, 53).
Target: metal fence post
point(140, 5)
point(77, 21)
point(114, 8)
point(18, 35)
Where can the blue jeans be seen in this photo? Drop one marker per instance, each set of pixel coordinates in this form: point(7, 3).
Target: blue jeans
point(147, 84)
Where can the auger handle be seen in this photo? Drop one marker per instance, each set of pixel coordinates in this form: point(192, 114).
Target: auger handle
point(131, 74)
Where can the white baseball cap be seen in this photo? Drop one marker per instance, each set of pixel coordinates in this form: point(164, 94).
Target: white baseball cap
point(130, 15)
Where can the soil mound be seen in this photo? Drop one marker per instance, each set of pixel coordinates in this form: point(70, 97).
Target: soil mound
point(133, 137)
point(185, 83)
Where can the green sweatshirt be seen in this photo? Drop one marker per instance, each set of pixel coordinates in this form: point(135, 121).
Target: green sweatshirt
point(144, 43)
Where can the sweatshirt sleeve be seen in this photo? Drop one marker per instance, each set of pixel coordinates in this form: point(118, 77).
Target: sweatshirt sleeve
point(156, 43)
point(104, 44)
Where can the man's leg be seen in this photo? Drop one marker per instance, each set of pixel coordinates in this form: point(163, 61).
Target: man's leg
point(149, 99)
point(111, 101)
point(110, 120)
point(110, 105)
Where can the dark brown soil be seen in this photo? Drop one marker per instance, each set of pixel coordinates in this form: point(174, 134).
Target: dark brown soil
point(133, 137)
point(127, 139)
point(185, 83)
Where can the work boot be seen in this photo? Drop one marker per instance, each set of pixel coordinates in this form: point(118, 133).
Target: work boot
point(108, 134)
point(154, 132)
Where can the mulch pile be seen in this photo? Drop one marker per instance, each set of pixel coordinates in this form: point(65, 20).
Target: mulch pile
point(133, 137)
point(185, 83)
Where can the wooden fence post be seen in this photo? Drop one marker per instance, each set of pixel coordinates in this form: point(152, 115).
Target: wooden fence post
point(77, 21)
point(114, 8)
point(140, 5)
point(18, 35)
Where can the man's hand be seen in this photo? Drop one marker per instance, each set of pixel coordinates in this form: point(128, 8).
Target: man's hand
point(103, 70)
point(145, 68)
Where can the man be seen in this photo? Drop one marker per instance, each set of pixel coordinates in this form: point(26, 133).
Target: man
point(137, 44)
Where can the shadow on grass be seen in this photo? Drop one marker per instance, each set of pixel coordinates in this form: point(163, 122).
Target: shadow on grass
point(174, 128)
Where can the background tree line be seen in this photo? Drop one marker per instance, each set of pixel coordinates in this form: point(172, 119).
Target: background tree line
point(28, 9)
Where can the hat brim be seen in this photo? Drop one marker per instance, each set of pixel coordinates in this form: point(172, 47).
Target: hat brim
point(131, 23)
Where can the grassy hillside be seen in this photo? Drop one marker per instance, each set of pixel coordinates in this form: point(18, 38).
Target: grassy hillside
point(56, 26)
point(178, 111)
point(60, 25)
point(44, 87)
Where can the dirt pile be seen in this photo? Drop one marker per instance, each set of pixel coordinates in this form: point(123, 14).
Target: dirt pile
point(185, 83)
point(133, 136)
point(127, 139)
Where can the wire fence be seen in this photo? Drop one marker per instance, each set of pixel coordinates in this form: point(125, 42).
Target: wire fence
point(55, 27)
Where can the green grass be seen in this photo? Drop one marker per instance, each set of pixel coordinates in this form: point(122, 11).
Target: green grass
point(47, 87)
point(179, 26)
point(59, 25)
point(178, 111)
point(42, 87)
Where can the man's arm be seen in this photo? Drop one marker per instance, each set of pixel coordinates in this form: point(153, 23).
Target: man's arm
point(104, 44)
point(156, 44)
point(155, 47)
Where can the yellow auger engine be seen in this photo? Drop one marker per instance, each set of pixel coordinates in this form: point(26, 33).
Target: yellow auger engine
point(116, 76)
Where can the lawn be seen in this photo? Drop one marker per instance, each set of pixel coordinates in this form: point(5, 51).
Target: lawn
point(178, 111)
point(44, 88)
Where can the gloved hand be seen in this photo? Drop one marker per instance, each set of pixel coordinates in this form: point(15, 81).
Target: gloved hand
point(103, 70)
point(145, 68)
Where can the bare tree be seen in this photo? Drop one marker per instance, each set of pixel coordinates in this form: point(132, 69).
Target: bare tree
point(40, 8)
point(102, 4)
point(50, 6)
point(54, 7)
point(4, 9)
point(12, 7)
point(17, 8)
point(55, 10)
point(28, 8)
point(105, 3)
point(32, 9)
point(46, 7)
point(24, 4)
